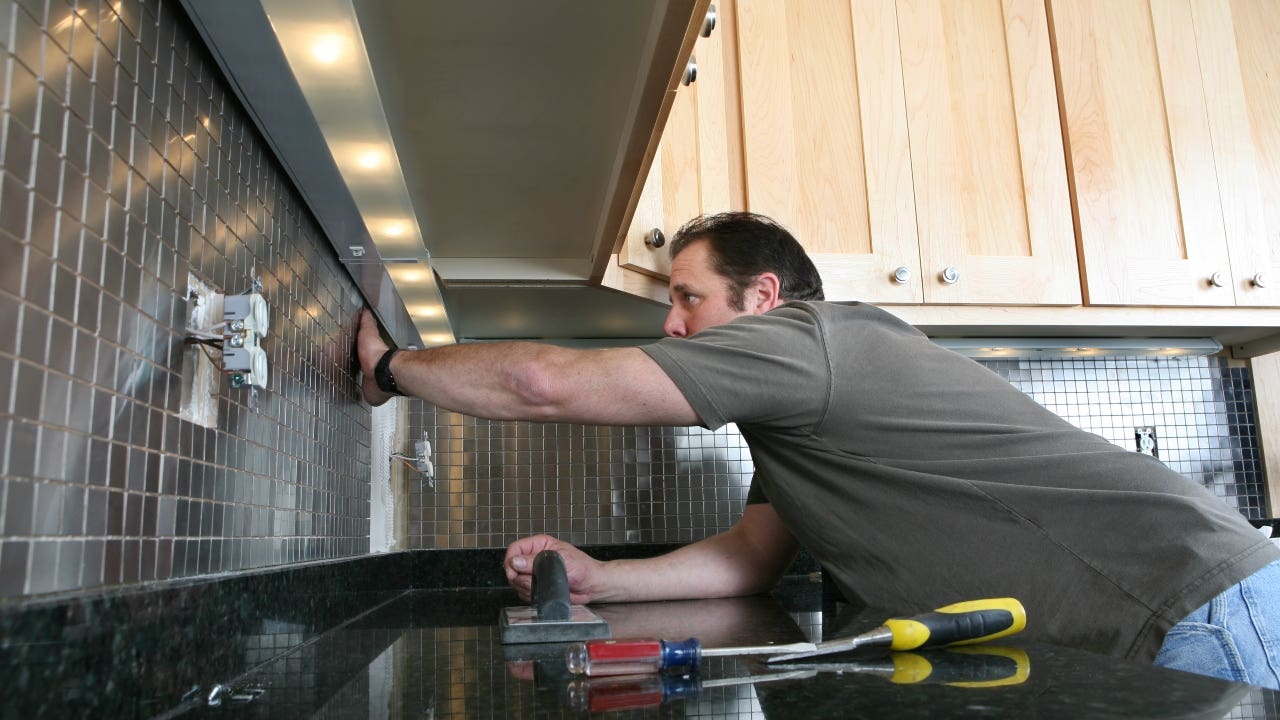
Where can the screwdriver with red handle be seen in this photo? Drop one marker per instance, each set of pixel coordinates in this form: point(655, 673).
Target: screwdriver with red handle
point(961, 623)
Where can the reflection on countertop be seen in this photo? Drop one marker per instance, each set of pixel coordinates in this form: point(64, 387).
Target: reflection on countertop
point(438, 654)
point(357, 650)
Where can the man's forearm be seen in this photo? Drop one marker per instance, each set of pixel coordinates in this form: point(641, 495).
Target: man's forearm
point(544, 383)
point(489, 380)
point(719, 566)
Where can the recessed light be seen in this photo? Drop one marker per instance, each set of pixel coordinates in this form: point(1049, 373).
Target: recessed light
point(327, 49)
point(439, 338)
point(408, 275)
point(394, 229)
point(425, 310)
point(371, 159)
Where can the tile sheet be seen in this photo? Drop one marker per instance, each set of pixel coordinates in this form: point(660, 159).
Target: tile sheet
point(499, 481)
point(124, 165)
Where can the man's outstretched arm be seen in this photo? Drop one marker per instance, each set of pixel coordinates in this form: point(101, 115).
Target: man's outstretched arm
point(530, 381)
point(748, 558)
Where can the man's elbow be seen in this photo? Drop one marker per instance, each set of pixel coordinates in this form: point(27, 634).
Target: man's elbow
point(536, 391)
point(758, 585)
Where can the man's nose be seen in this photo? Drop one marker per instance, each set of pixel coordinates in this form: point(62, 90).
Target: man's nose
point(674, 325)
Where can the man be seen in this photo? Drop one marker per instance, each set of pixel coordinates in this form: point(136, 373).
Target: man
point(915, 476)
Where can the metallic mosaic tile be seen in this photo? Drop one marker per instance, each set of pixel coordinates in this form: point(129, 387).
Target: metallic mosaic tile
point(120, 150)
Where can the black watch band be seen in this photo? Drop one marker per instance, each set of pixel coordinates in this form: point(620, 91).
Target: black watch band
point(382, 374)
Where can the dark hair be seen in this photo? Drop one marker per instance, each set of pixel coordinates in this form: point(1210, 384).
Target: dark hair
point(744, 245)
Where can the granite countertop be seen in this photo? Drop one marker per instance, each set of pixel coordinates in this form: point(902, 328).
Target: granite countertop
point(439, 654)
point(309, 648)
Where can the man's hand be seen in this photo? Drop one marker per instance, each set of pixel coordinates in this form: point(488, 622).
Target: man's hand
point(582, 570)
point(370, 348)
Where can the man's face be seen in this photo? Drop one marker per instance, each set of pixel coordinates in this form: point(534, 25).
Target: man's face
point(700, 297)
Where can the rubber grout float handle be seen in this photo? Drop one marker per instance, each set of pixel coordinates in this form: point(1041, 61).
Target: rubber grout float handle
point(549, 592)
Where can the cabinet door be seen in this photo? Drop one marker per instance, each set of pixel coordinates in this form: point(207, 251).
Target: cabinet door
point(1141, 157)
point(991, 193)
point(690, 172)
point(1239, 44)
point(825, 140)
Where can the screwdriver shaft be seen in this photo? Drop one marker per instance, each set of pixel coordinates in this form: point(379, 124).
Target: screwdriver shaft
point(758, 649)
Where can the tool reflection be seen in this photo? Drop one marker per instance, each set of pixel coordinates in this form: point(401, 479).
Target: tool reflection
point(966, 667)
point(969, 668)
point(637, 692)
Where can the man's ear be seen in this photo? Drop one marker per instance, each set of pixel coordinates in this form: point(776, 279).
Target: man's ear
point(764, 293)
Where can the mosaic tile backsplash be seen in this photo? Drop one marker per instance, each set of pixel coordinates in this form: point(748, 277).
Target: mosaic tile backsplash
point(499, 481)
point(125, 164)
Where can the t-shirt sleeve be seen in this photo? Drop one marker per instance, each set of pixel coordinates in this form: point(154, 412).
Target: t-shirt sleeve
point(756, 494)
point(771, 369)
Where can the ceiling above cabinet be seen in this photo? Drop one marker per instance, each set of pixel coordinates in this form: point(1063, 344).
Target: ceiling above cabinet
point(472, 162)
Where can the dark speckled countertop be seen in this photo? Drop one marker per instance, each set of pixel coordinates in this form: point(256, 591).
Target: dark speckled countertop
point(343, 641)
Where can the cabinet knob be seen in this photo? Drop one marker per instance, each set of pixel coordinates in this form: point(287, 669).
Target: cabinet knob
point(655, 239)
point(1260, 280)
point(1216, 280)
point(901, 275)
point(690, 72)
point(709, 23)
point(950, 275)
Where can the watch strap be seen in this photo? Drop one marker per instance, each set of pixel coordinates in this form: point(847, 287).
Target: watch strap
point(382, 374)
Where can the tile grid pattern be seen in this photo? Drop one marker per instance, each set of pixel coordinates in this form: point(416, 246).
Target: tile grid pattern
point(499, 481)
point(124, 165)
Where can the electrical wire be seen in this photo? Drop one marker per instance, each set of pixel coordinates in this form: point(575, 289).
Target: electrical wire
point(204, 344)
point(211, 332)
point(217, 362)
point(194, 340)
point(410, 462)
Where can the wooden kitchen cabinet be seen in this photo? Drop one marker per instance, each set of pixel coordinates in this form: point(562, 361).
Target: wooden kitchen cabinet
point(985, 135)
point(691, 171)
point(1174, 148)
point(825, 149)
point(902, 139)
point(1240, 63)
point(986, 151)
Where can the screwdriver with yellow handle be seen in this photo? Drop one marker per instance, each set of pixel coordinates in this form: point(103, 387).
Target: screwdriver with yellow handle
point(963, 623)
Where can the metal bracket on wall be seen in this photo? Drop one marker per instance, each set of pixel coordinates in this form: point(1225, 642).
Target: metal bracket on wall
point(1254, 348)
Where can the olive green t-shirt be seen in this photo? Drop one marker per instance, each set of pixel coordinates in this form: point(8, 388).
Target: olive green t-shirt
point(919, 478)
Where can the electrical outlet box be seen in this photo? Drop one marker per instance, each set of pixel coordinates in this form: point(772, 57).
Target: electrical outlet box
point(246, 312)
point(1145, 439)
point(245, 319)
point(422, 457)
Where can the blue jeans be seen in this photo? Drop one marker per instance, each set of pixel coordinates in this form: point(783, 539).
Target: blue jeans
point(1235, 636)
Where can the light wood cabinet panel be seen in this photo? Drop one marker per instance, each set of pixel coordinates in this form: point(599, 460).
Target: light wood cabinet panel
point(825, 139)
point(921, 135)
point(1266, 398)
point(690, 174)
point(1239, 44)
point(991, 191)
point(1149, 215)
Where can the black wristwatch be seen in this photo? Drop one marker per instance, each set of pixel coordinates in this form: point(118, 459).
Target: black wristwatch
point(382, 374)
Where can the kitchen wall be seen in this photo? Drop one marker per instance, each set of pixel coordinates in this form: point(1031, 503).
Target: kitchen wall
point(499, 481)
point(125, 165)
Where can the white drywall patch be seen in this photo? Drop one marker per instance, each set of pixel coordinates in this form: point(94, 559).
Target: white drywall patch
point(386, 437)
point(201, 375)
